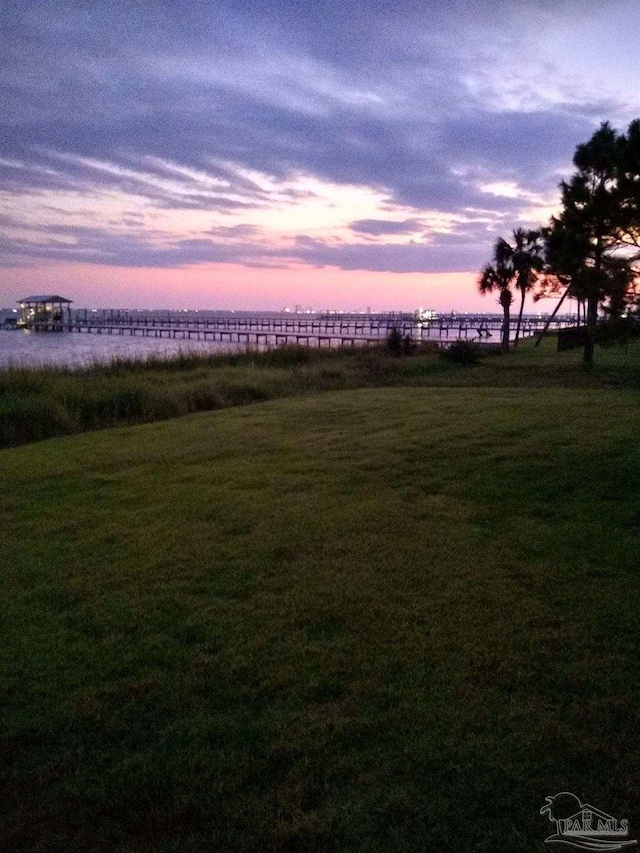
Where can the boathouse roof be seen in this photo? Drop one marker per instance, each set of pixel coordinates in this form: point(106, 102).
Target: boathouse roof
point(40, 298)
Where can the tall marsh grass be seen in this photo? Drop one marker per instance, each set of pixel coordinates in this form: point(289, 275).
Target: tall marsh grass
point(39, 403)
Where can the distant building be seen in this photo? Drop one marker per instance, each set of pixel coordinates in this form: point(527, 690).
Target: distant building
point(44, 308)
point(423, 314)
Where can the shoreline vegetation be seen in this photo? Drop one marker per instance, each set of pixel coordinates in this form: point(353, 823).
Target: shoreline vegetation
point(45, 402)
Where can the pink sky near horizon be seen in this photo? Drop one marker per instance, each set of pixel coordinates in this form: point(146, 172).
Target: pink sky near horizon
point(234, 286)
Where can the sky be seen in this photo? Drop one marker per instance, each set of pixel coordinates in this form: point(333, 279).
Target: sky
point(256, 154)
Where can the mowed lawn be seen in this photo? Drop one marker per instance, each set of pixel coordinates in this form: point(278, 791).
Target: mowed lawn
point(375, 620)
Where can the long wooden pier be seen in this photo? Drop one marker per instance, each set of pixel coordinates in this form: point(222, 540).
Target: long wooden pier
point(348, 327)
point(264, 338)
point(334, 330)
point(374, 326)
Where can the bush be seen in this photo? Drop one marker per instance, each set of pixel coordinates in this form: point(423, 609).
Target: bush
point(398, 343)
point(462, 352)
point(618, 330)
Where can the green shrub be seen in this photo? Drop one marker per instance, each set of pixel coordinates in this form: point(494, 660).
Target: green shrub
point(399, 343)
point(462, 352)
point(618, 330)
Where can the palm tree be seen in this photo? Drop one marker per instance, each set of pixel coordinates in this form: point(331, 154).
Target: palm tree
point(500, 276)
point(527, 263)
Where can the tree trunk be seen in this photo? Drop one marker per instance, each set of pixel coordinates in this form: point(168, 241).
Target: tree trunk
point(506, 328)
point(592, 306)
point(592, 326)
point(548, 323)
point(519, 318)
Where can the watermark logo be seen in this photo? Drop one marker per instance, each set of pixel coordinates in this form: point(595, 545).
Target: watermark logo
point(583, 826)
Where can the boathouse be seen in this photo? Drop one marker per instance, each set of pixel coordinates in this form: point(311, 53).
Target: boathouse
point(45, 308)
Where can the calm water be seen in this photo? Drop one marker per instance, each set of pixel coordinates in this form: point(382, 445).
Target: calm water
point(72, 349)
point(33, 349)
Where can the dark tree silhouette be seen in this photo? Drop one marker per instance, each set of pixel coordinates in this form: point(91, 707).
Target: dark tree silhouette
point(564, 269)
point(592, 244)
point(527, 261)
point(500, 276)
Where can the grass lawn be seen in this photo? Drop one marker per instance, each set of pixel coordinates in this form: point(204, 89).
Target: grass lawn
point(369, 620)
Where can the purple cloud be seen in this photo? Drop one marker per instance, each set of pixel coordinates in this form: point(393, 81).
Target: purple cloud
point(179, 105)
